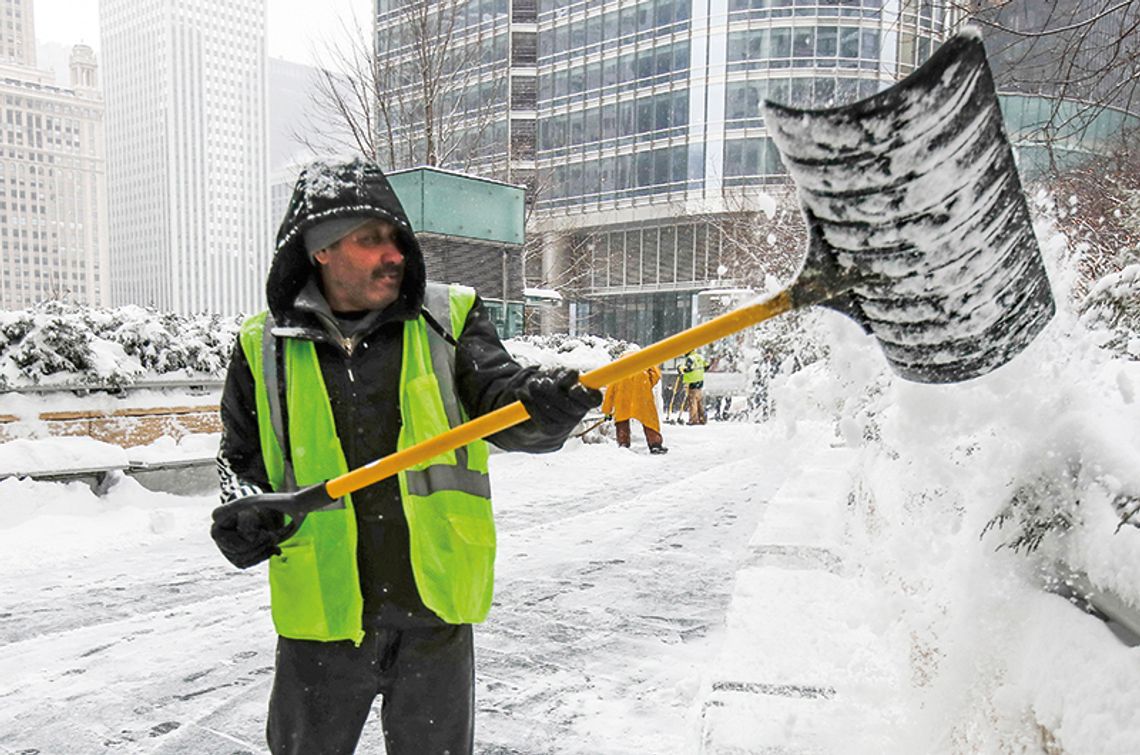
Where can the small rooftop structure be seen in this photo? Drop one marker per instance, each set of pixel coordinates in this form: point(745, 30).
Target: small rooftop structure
point(446, 203)
point(471, 230)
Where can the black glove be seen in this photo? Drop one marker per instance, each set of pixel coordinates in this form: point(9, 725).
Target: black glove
point(556, 401)
point(249, 538)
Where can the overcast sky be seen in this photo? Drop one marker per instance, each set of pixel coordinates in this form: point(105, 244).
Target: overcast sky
point(296, 27)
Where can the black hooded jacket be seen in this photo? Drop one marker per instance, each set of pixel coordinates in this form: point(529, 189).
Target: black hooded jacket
point(360, 362)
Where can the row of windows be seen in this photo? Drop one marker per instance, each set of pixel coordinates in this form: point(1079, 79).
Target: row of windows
point(617, 176)
point(823, 8)
point(655, 16)
point(659, 170)
point(751, 158)
point(684, 253)
point(659, 64)
point(772, 47)
point(642, 318)
point(743, 99)
point(660, 113)
point(464, 60)
point(463, 145)
point(51, 106)
point(471, 13)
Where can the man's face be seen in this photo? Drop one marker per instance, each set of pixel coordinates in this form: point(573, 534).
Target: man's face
point(364, 270)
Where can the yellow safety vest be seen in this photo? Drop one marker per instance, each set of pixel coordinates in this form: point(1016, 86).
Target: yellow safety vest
point(314, 583)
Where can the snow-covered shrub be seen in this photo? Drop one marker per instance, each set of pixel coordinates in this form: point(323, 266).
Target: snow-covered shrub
point(1112, 309)
point(582, 353)
point(110, 348)
point(780, 348)
point(54, 344)
point(166, 343)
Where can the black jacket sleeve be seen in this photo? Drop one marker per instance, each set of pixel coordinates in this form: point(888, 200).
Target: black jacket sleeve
point(488, 378)
point(241, 468)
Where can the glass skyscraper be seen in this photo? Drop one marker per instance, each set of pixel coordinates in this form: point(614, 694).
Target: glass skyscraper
point(637, 126)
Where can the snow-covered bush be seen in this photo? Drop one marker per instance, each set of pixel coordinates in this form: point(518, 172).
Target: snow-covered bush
point(56, 343)
point(780, 348)
point(582, 353)
point(1112, 309)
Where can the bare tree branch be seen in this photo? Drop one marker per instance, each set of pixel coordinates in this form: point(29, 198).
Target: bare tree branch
point(420, 93)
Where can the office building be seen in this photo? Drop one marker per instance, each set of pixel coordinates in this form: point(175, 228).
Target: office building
point(53, 236)
point(647, 133)
point(187, 152)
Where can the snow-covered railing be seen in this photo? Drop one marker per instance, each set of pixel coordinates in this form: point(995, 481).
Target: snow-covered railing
point(203, 385)
point(186, 475)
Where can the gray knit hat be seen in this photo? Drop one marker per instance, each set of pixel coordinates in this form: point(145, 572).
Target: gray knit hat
point(323, 235)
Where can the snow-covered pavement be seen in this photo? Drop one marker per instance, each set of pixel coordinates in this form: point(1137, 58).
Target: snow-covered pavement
point(775, 588)
point(122, 630)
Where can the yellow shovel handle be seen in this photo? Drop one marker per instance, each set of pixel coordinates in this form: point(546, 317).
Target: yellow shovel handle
point(513, 414)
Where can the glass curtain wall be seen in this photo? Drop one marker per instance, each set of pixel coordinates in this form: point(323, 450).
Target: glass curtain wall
point(442, 70)
point(613, 101)
point(642, 102)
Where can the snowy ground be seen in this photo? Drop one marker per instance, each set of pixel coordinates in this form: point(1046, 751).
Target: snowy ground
point(122, 630)
point(630, 618)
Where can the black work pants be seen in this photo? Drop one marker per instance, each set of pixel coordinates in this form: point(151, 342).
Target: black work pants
point(323, 692)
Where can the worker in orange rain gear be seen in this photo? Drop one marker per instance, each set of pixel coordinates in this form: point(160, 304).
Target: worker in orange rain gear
point(632, 398)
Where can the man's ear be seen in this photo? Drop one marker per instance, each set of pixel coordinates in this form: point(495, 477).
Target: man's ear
point(321, 256)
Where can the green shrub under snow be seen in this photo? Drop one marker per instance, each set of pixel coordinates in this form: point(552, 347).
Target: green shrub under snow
point(57, 343)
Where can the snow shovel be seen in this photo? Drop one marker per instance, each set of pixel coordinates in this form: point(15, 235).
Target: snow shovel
point(918, 228)
point(592, 427)
point(670, 415)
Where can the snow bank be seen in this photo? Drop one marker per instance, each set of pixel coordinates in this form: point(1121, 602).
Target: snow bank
point(967, 497)
point(54, 454)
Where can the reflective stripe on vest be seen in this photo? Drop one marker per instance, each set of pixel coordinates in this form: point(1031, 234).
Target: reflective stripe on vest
point(314, 583)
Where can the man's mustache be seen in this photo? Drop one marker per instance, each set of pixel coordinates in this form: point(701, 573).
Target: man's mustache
point(385, 270)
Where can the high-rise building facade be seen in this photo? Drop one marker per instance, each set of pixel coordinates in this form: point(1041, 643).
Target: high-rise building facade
point(187, 153)
point(648, 130)
point(53, 236)
point(652, 138)
point(1067, 72)
point(458, 79)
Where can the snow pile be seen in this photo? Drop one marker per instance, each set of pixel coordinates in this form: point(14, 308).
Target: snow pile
point(57, 343)
point(54, 454)
point(582, 353)
point(167, 448)
point(970, 497)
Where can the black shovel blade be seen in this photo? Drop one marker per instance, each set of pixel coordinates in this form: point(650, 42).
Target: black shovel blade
point(918, 224)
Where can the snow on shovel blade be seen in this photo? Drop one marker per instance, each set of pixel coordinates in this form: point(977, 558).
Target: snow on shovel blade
point(918, 225)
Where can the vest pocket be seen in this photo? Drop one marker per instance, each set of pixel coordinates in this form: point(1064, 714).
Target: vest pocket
point(296, 591)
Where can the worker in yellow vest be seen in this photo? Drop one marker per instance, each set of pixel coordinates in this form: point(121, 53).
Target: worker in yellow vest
point(357, 357)
point(693, 378)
